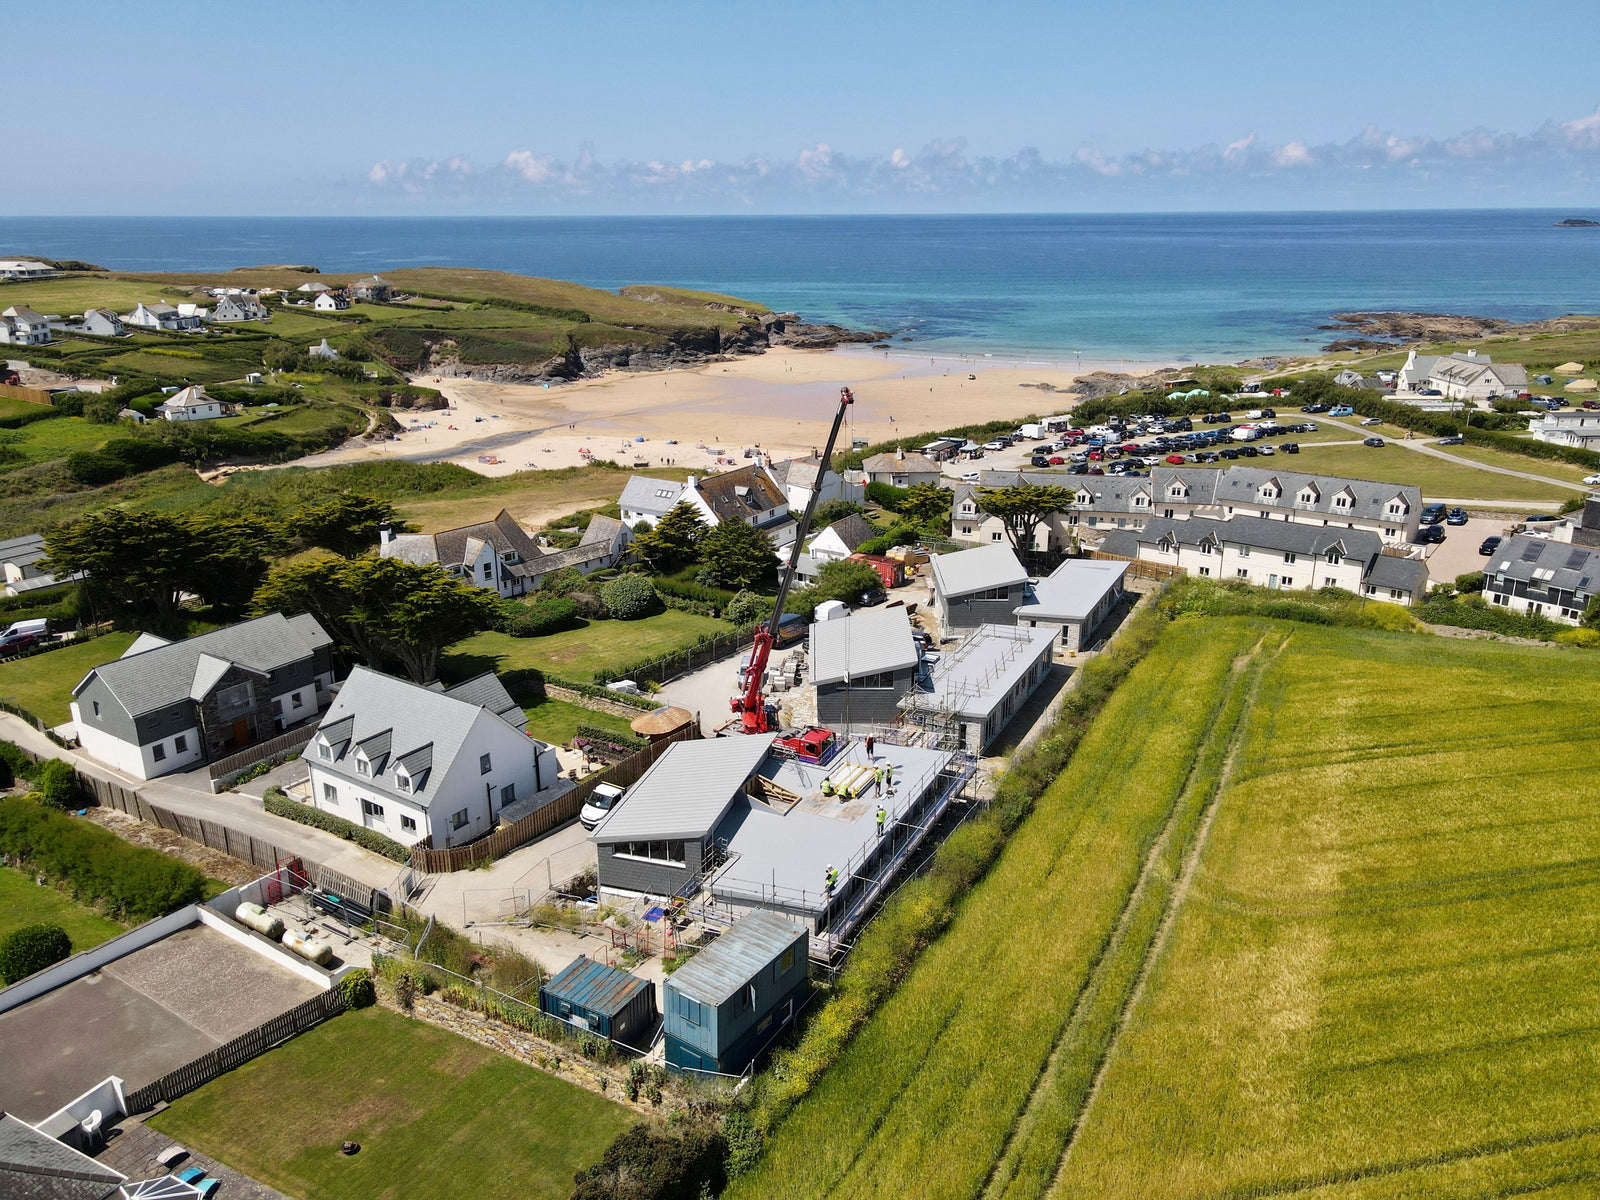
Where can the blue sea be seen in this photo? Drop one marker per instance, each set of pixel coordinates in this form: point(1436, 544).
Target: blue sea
point(1180, 287)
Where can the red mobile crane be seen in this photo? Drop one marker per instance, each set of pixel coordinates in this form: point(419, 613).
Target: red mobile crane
point(752, 704)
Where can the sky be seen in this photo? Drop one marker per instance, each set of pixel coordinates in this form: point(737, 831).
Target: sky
point(593, 108)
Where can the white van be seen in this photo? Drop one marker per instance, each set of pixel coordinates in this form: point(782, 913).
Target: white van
point(22, 634)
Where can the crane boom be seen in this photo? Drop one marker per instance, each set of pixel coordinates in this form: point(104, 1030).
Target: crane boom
point(751, 705)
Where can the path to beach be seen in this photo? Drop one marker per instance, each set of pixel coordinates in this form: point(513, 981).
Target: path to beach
point(781, 400)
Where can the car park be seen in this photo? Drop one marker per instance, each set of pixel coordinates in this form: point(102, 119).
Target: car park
point(1456, 516)
point(1372, 441)
point(1489, 545)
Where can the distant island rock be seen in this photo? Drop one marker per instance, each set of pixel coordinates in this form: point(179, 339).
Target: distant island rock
point(1578, 223)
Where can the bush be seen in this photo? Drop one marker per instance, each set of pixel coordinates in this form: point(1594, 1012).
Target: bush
point(32, 948)
point(58, 783)
point(278, 804)
point(19, 765)
point(834, 510)
point(887, 495)
point(98, 866)
point(357, 989)
point(747, 608)
point(1472, 611)
point(561, 583)
point(1589, 638)
point(630, 597)
point(541, 617)
point(647, 1163)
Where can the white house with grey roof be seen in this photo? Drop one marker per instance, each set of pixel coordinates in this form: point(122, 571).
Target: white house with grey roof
point(414, 762)
point(1075, 599)
point(20, 559)
point(497, 555)
point(976, 587)
point(1464, 375)
point(861, 665)
point(192, 403)
point(160, 316)
point(102, 322)
point(21, 326)
point(647, 499)
point(798, 479)
point(1578, 427)
point(1543, 577)
point(170, 706)
point(973, 691)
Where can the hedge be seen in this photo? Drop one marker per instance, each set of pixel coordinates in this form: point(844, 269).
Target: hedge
point(1474, 612)
point(98, 866)
point(630, 597)
point(30, 949)
point(541, 617)
point(279, 805)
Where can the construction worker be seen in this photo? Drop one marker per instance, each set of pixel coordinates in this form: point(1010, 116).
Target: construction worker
point(877, 776)
point(827, 786)
point(870, 740)
point(883, 815)
point(831, 878)
point(888, 774)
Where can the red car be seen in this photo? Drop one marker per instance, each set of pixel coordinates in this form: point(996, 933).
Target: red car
point(1130, 448)
point(1057, 461)
point(1096, 456)
point(1175, 459)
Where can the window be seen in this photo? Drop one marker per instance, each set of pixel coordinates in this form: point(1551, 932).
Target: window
point(363, 767)
point(996, 536)
point(1287, 582)
point(964, 529)
point(1394, 593)
point(402, 783)
point(232, 699)
point(323, 751)
point(180, 744)
point(664, 852)
point(277, 707)
point(1288, 556)
point(1500, 598)
point(370, 808)
point(409, 824)
point(786, 961)
point(1243, 573)
point(1244, 551)
point(299, 700)
point(1329, 581)
point(158, 751)
point(1205, 571)
point(457, 820)
point(484, 766)
point(508, 794)
point(879, 682)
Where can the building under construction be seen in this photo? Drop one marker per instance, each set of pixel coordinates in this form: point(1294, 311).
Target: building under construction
point(965, 699)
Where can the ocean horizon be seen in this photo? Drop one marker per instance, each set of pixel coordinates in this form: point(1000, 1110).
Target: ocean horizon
point(1145, 287)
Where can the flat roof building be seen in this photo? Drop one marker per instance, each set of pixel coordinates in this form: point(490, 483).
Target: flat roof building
point(602, 999)
point(974, 690)
point(1074, 598)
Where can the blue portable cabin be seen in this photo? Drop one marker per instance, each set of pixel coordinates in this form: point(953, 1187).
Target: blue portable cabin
point(732, 998)
point(602, 999)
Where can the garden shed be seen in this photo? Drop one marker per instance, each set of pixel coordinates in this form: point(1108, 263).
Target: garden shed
point(725, 1004)
point(602, 999)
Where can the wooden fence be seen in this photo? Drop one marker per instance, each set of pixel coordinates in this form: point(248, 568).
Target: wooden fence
point(241, 1050)
point(32, 395)
point(1139, 569)
point(243, 760)
point(259, 852)
point(558, 812)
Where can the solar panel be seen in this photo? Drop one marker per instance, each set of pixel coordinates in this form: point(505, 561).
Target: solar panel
point(1577, 559)
point(1531, 552)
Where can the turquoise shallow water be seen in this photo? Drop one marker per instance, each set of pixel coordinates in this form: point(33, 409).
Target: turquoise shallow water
point(1181, 286)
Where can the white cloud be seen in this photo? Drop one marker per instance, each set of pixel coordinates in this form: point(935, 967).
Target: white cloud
point(1583, 133)
point(1292, 154)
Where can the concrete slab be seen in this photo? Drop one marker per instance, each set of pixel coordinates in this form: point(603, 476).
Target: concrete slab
point(138, 1018)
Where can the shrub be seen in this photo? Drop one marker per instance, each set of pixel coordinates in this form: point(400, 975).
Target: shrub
point(97, 865)
point(32, 948)
point(647, 1163)
point(630, 598)
point(19, 765)
point(747, 608)
point(278, 804)
point(561, 583)
point(58, 783)
point(834, 510)
point(1589, 638)
point(541, 617)
point(357, 989)
point(887, 495)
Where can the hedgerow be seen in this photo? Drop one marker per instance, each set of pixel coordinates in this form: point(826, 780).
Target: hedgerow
point(278, 804)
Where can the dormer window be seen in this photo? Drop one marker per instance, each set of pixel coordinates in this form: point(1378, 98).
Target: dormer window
point(1308, 497)
point(1333, 557)
point(363, 767)
point(324, 750)
point(1394, 508)
point(402, 781)
point(1341, 502)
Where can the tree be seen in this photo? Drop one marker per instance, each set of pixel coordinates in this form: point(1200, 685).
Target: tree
point(834, 510)
point(674, 542)
point(386, 609)
point(58, 784)
point(927, 505)
point(143, 563)
point(1023, 509)
point(32, 948)
point(630, 597)
point(346, 524)
point(839, 580)
point(737, 555)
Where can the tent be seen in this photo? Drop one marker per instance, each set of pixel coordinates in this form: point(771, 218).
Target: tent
point(1582, 385)
point(1569, 368)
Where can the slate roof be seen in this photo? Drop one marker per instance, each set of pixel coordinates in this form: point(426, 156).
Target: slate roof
point(34, 1166)
point(602, 529)
point(24, 551)
point(643, 494)
point(1238, 486)
point(735, 958)
point(891, 464)
point(190, 397)
point(854, 531)
point(1122, 542)
point(1262, 533)
point(739, 494)
point(486, 691)
point(798, 472)
point(161, 676)
point(396, 722)
point(1403, 574)
point(458, 547)
point(687, 791)
point(1559, 565)
point(867, 642)
point(1072, 590)
point(974, 570)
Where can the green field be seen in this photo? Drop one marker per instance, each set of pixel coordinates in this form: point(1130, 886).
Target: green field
point(23, 902)
point(1284, 930)
point(557, 721)
point(43, 683)
point(1395, 463)
point(579, 653)
point(437, 1117)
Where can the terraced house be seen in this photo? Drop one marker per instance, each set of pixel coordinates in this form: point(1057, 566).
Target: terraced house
point(170, 706)
point(1543, 577)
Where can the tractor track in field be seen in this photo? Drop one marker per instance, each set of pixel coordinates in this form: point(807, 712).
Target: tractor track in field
point(1004, 1170)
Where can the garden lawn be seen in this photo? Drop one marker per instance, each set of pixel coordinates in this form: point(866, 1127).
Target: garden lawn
point(437, 1117)
point(23, 902)
point(43, 683)
point(579, 653)
point(557, 721)
point(1394, 463)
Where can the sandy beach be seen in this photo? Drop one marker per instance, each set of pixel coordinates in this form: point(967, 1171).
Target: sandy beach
point(781, 400)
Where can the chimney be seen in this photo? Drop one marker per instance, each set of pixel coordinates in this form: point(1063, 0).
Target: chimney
point(691, 483)
point(385, 535)
point(900, 453)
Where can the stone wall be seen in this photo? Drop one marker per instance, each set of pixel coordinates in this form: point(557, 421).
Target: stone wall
point(583, 700)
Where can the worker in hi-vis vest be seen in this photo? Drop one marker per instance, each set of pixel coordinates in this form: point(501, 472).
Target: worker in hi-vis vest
point(827, 786)
point(832, 878)
point(883, 815)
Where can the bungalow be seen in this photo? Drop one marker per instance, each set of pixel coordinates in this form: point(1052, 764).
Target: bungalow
point(495, 554)
point(239, 306)
point(25, 268)
point(331, 302)
point(415, 763)
point(191, 404)
point(979, 586)
point(313, 287)
point(901, 470)
point(1074, 598)
point(1543, 577)
point(21, 326)
point(970, 695)
point(842, 539)
point(373, 288)
point(861, 665)
point(102, 322)
point(160, 316)
point(19, 562)
point(323, 350)
point(168, 706)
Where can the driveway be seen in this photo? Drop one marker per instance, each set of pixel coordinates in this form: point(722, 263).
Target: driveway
point(1458, 553)
point(707, 692)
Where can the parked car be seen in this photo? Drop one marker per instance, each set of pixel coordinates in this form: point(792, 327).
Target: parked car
point(1341, 410)
point(1432, 514)
point(1592, 480)
point(1372, 441)
point(599, 803)
point(1453, 440)
point(1314, 408)
point(792, 627)
point(1248, 451)
point(1289, 447)
point(1489, 545)
point(16, 643)
point(1456, 516)
point(1372, 421)
point(1230, 453)
point(1175, 459)
point(971, 476)
point(1055, 460)
point(1039, 460)
point(1430, 533)
point(1430, 392)
point(872, 599)
point(1265, 451)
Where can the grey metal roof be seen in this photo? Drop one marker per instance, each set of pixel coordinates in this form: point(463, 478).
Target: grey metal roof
point(1560, 565)
point(864, 643)
point(974, 678)
point(644, 494)
point(34, 1166)
point(165, 675)
point(1073, 590)
point(24, 551)
point(735, 958)
point(592, 985)
point(1403, 574)
point(976, 569)
point(686, 791)
point(1123, 542)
